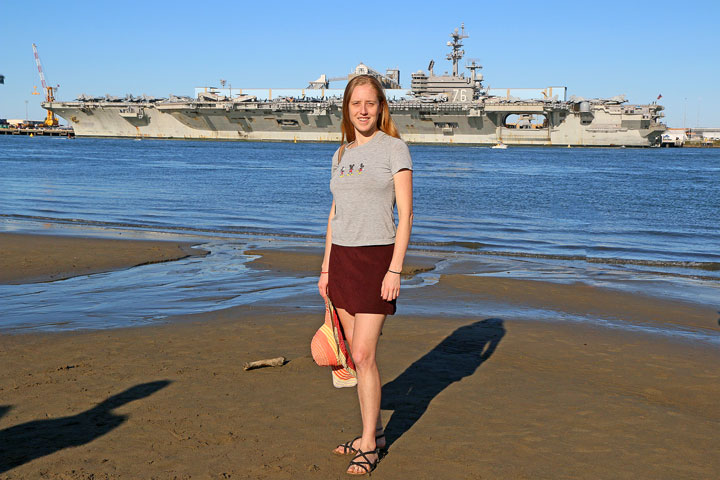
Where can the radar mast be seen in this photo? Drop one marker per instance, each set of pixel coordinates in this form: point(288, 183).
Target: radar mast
point(456, 45)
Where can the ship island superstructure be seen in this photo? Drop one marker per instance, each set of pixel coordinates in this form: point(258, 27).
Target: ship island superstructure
point(438, 109)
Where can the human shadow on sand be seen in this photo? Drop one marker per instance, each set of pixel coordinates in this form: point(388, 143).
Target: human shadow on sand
point(453, 359)
point(4, 409)
point(26, 442)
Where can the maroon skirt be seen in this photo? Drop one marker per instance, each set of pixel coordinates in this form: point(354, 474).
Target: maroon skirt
point(355, 278)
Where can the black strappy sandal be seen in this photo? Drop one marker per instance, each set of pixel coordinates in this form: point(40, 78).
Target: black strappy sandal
point(349, 450)
point(365, 464)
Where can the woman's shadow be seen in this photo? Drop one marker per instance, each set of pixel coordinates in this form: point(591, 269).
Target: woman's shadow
point(23, 443)
point(453, 359)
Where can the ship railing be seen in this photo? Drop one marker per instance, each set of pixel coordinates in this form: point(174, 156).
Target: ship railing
point(399, 106)
point(287, 106)
point(504, 101)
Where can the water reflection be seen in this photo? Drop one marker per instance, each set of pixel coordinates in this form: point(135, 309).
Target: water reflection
point(144, 294)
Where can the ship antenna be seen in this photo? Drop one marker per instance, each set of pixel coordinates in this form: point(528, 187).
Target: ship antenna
point(456, 45)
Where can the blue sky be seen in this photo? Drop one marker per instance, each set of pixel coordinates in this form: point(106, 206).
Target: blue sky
point(596, 49)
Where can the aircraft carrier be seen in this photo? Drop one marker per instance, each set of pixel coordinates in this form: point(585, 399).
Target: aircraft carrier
point(451, 108)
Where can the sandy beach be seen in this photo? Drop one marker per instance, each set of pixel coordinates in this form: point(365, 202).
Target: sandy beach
point(472, 397)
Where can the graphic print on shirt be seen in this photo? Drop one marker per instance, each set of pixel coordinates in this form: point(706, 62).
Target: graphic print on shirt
point(351, 170)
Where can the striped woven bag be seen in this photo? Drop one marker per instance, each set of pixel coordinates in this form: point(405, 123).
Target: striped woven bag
point(329, 349)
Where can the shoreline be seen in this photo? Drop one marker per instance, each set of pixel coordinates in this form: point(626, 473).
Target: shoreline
point(707, 268)
point(430, 278)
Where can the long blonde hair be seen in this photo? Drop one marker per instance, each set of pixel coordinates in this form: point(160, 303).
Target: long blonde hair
point(384, 122)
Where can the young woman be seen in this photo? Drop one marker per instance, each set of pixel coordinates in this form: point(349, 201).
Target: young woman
point(364, 249)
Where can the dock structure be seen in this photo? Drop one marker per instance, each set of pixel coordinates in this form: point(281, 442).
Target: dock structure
point(44, 132)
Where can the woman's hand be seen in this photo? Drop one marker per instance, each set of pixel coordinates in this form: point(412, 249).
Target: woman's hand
point(390, 287)
point(323, 285)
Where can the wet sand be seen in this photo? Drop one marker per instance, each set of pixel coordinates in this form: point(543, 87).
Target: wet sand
point(463, 398)
point(41, 258)
point(581, 299)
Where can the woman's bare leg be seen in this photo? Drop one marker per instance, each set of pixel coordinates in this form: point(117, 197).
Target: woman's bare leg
point(366, 333)
point(348, 322)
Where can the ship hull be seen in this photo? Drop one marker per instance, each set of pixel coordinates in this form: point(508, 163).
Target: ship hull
point(458, 124)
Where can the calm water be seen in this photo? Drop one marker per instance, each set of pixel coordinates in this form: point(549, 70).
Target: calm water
point(651, 207)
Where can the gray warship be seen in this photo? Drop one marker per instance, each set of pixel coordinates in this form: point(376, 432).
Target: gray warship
point(451, 108)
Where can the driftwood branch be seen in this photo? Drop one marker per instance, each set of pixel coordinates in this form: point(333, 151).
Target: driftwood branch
point(268, 362)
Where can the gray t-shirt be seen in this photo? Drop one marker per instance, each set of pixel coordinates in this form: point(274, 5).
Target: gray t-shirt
point(364, 192)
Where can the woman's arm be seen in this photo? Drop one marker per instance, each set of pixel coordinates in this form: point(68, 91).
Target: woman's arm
point(323, 282)
point(404, 199)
